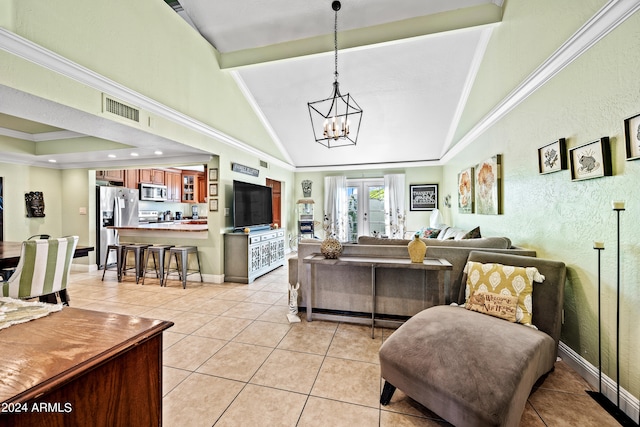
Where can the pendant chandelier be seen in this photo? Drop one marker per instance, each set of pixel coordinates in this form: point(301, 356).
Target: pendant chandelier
point(335, 120)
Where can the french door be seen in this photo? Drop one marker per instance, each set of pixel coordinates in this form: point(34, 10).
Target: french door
point(366, 207)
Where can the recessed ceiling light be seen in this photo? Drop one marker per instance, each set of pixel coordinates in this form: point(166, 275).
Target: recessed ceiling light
point(112, 156)
point(52, 160)
point(158, 152)
point(134, 154)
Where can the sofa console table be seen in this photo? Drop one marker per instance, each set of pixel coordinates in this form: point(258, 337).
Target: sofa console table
point(429, 264)
point(78, 367)
point(250, 255)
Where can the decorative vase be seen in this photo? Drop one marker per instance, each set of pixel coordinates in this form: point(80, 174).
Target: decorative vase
point(331, 248)
point(417, 249)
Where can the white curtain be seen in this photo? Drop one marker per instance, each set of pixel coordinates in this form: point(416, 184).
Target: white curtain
point(335, 207)
point(394, 205)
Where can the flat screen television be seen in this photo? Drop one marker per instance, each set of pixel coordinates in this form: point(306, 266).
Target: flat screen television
point(251, 205)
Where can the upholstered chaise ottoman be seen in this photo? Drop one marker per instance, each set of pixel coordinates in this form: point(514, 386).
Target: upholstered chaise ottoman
point(473, 369)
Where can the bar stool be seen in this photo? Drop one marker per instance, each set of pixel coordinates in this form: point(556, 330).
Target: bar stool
point(138, 252)
point(118, 248)
point(182, 263)
point(156, 251)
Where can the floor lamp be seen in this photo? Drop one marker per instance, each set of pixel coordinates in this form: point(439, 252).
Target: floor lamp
point(613, 409)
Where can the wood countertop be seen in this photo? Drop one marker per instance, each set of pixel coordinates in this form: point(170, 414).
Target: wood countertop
point(45, 353)
point(166, 226)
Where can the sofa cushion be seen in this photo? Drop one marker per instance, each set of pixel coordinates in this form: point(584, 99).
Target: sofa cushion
point(503, 280)
point(483, 242)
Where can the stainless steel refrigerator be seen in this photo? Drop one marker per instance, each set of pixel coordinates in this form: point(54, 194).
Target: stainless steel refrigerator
point(117, 206)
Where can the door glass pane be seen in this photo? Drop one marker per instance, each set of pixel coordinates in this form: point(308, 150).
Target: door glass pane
point(352, 230)
point(376, 209)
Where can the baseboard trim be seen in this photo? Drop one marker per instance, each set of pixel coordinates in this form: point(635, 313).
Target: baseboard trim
point(213, 278)
point(629, 404)
point(84, 268)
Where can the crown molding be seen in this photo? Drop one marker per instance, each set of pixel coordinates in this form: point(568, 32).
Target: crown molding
point(37, 137)
point(52, 61)
point(614, 13)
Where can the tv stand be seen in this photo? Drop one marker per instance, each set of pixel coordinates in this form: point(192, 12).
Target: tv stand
point(248, 256)
point(253, 228)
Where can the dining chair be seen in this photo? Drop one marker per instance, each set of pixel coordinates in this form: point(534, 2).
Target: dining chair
point(39, 236)
point(43, 269)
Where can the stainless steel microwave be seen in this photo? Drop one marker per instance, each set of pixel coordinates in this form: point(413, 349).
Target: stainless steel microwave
point(153, 192)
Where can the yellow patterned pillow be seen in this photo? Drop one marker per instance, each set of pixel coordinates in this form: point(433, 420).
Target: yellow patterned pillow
point(503, 280)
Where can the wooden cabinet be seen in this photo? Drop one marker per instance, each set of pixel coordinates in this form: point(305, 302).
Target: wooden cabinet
point(110, 175)
point(248, 256)
point(189, 190)
point(193, 187)
point(131, 179)
point(202, 189)
point(173, 181)
point(99, 369)
point(152, 176)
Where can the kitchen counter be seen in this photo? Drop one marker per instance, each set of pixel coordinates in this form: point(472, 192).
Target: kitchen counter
point(193, 229)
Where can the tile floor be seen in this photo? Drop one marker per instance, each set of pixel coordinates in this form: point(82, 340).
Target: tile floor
point(232, 359)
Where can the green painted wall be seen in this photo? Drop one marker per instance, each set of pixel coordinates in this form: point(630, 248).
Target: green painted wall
point(560, 219)
point(128, 42)
point(18, 180)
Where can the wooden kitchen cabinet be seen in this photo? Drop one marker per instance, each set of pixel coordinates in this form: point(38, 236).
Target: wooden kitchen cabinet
point(173, 181)
point(193, 187)
point(131, 179)
point(152, 176)
point(202, 188)
point(110, 175)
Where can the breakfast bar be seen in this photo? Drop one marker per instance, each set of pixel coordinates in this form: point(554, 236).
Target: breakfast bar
point(194, 229)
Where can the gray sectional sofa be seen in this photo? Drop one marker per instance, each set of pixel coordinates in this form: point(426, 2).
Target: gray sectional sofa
point(347, 289)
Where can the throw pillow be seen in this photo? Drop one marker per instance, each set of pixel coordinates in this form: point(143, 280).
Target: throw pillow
point(503, 280)
point(430, 233)
point(473, 234)
point(497, 305)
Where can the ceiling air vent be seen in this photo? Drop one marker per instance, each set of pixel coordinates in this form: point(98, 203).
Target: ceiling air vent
point(122, 110)
point(264, 164)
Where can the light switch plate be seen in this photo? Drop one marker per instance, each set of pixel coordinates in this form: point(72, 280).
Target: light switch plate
point(83, 211)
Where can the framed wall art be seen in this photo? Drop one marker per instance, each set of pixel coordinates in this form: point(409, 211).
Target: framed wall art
point(465, 191)
point(213, 189)
point(213, 205)
point(423, 197)
point(591, 160)
point(487, 186)
point(213, 174)
point(632, 137)
point(552, 157)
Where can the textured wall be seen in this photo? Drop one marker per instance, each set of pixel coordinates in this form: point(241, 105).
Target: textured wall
point(560, 219)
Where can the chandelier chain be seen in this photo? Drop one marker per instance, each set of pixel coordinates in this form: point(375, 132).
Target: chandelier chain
point(335, 44)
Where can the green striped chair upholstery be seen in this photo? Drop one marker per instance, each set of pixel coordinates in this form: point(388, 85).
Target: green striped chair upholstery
point(43, 268)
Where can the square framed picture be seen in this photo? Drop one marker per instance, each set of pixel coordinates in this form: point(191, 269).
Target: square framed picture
point(632, 137)
point(213, 205)
point(465, 191)
point(423, 197)
point(591, 160)
point(213, 174)
point(552, 157)
point(213, 189)
point(487, 186)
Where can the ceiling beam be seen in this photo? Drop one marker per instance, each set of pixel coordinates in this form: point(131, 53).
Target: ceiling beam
point(393, 32)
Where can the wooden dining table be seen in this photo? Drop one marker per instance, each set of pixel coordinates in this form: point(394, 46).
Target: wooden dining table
point(10, 253)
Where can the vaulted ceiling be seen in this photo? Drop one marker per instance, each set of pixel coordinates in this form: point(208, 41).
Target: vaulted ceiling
point(409, 64)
